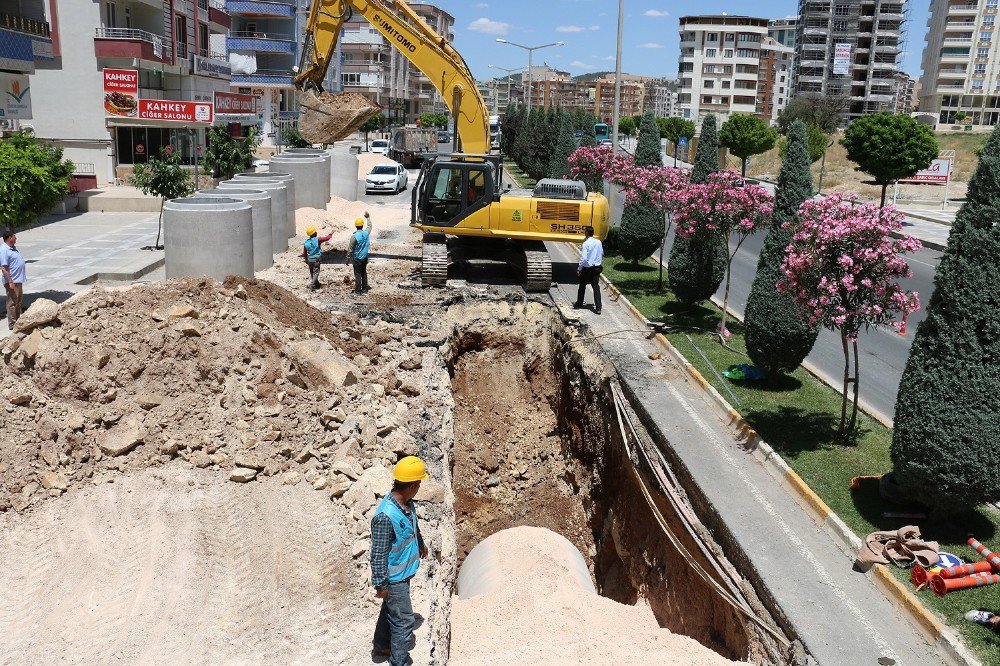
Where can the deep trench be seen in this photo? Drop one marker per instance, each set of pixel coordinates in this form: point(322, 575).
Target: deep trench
point(537, 443)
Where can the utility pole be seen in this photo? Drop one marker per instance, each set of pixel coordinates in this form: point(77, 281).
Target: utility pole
point(530, 50)
point(616, 111)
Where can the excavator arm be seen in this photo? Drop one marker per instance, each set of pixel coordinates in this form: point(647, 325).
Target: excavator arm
point(406, 31)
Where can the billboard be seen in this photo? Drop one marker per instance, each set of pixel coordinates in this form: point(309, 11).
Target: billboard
point(939, 171)
point(841, 58)
point(16, 101)
point(165, 109)
point(121, 92)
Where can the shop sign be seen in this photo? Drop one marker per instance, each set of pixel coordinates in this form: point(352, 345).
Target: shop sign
point(16, 102)
point(938, 172)
point(121, 92)
point(234, 104)
point(188, 112)
point(140, 149)
point(212, 67)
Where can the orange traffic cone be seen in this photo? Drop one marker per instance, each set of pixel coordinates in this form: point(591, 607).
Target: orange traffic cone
point(943, 586)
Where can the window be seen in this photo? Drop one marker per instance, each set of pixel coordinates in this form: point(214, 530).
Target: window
point(781, 90)
point(350, 78)
point(109, 15)
point(982, 52)
point(128, 17)
point(709, 53)
point(730, 37)
point(840, 26)
point(203, 39)
point(980, 68)
point(712, 37)
point(180, 35)
point(977, 84)
point(746, 53)
point(988, 21)
point(991, 4)
point(842, 10)
point(709, 83)
point(725, 84)
point(985, 35)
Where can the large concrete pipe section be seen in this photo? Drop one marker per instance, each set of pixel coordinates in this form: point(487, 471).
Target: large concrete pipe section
point(490, 565)
point(290, 195)
point(260, 201)
point(207, 236)
point(279, 207)
point(312, 177)
point(343, 171)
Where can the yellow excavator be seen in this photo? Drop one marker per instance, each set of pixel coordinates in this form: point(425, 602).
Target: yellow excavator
point(461, 194)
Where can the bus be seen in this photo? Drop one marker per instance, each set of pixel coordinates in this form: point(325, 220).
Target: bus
point(602, 132)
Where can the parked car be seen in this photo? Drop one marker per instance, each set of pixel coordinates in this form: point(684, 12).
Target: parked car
point(386, 178)
point(380, 147)
point(605, 142)
point(444, 137)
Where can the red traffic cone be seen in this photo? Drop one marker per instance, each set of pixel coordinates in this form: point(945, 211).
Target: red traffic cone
point(902, 329)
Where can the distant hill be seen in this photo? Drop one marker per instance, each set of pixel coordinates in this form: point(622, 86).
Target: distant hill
point(591, 76)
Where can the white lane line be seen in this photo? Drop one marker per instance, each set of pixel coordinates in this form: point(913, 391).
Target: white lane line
point(820, 571)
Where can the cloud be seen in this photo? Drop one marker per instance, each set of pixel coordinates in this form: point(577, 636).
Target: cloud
point(650, 45)
point(489, 27)
point(482, 5)
point(569, 28)
point(609, 58)
point(582, 65)
point(594, 27)
point(656, 13)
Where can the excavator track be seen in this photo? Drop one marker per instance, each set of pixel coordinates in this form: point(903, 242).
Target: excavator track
point(434, 261)
point(538, 267)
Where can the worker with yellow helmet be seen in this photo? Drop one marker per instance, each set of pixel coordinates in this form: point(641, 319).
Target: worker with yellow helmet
point(312, 254)
point(357, 251)
point(396, 550)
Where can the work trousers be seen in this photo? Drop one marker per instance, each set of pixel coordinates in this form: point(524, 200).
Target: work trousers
point(360, 274)
point(590, 275)
point(15, 298)
point(394, 629)
point(314, 274)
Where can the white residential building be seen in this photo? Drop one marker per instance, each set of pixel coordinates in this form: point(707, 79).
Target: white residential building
point(719, 65)
point(961, 63)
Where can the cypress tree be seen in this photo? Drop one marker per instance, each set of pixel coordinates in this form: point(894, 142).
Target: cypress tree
point(944, 443)
point(559, 162)
point(777, 339)
point(589, 138)
point(523, 145)
point(642, 225)
point(696, 268)
point(706, 158)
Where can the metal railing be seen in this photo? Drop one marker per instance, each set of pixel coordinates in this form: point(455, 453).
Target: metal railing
point(132, 34)
point(206, 53)
point(269, 72)
point(247, 34)
point(214, 4)
point(20, 23)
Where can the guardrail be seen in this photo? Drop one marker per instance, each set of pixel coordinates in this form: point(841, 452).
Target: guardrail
point(19, 23)
point(132, 34)
point(245, 34)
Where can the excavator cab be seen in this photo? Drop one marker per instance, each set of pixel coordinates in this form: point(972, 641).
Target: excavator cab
point(453, 188)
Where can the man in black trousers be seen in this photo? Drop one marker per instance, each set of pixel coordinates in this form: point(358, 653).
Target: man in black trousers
point(589, 269)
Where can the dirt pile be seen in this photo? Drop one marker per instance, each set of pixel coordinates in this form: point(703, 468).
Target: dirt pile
point(540, 613)
point(330, 117)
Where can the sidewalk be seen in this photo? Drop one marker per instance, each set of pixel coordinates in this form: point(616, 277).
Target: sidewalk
point(838, 614)
point(66, 254)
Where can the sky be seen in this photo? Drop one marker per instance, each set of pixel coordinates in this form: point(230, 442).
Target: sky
point(588, 28)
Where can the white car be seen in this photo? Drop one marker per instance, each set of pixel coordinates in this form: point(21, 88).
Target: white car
point(386, 178)
point(380, 147)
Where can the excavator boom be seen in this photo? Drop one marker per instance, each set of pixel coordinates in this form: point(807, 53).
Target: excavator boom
point(327, 118)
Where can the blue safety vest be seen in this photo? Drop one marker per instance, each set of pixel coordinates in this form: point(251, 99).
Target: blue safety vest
point(312, 249)
point(404, 556)
point(361, 244)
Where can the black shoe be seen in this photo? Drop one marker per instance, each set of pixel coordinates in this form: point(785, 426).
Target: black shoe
point(577, 306)
point(597, 312)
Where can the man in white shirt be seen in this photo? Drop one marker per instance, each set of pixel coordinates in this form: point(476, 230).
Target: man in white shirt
point(589, 270)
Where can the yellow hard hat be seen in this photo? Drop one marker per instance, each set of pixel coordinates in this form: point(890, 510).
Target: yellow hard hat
point(409, 469)
point(360, 222)
point(311, 231)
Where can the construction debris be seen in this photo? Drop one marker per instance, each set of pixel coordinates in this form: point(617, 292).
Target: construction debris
point(330, 117)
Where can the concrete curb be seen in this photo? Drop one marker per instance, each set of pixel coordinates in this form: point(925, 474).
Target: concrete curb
point(922, 618)
point(926, 243)
point(921, 216)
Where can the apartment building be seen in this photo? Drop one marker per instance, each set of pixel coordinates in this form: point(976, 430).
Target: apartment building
point(501, 92)
point(774, 82)
point(784, 30)
point(719, 65)
point(961, 63)
point(850, 48)
point(904, 91)
point(633, 95)
point(161, 96)
point(25, 43)
point(661, 98)
point(369, 65)
point(561, 90)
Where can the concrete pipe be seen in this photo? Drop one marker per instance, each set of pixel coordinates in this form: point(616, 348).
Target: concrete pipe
point(312, 177)
point(344, 176)
point(289, 182)
point(489, 566)
point(279, 207)
point(260, 201)
point(208, 236)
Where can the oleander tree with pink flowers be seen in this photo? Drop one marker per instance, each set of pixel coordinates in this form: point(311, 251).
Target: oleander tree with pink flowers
point(842, 268)
point(725, 207)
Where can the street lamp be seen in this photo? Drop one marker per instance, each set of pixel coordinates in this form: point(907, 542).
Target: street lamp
point(515, 69)
point(529, 49)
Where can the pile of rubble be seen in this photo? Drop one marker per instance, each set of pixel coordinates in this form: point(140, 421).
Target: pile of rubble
point(242, 378)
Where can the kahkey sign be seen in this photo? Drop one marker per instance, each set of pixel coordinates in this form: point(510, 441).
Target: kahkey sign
point(190, 112)
point(234, 104)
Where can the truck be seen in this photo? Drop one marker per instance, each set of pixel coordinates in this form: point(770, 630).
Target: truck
point(410, 146)
point(495, 132)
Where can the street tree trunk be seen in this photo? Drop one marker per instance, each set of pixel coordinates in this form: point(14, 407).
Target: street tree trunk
point(743, 169)
point(159, 225)
point(857, 381)
point(885, 186)
point(843, 394)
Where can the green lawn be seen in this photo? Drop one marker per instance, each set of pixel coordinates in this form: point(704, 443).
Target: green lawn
point(798, 418)
point(523, 180)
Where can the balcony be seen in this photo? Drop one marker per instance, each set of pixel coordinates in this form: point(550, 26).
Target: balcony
point(260, 42)
point(24, 25)
point(263, 78)
point(951, 86)
point(216, 10)
point(962, 10)
point(262, 8)
point(132, 44)
point(961, 40)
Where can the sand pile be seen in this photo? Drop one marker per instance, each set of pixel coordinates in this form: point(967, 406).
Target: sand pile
point(338, 217)
point(538, 612)
point(242, 378)
point(367, 160)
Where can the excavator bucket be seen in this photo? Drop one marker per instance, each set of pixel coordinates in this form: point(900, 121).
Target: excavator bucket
point(330, 117)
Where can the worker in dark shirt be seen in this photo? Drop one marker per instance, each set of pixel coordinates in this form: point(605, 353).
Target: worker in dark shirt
point(397, 549)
